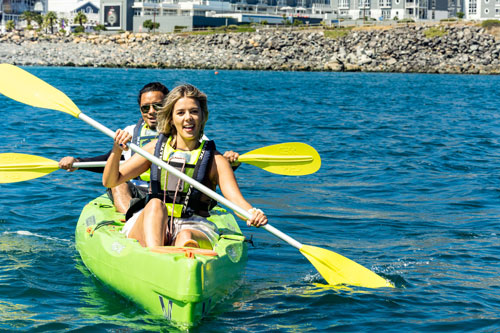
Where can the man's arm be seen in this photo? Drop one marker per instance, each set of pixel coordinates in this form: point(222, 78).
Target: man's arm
point(67, 162)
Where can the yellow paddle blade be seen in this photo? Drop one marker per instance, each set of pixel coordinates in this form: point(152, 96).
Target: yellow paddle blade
point(337, 269)
point(18, 84)
point(291, 158)
point(20, 167)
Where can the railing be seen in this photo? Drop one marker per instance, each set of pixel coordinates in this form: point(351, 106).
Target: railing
point(341, 24)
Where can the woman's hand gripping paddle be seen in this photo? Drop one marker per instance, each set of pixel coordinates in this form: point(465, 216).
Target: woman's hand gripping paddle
point(26, 88)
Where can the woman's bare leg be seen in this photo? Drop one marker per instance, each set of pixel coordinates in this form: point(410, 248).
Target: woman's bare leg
point(192, 238)
point(121, 197)
point(149, 228)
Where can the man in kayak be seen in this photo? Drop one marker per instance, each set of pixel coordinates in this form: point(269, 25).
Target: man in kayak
point(150, 99)
point(175, 213)
point(123, 196)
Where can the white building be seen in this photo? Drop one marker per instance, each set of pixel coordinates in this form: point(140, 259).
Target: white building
point(481, 9)
point(69, 8)
point(12, 9)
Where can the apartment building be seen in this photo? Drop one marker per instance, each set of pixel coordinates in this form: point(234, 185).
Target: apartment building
point(68, 9)
point(481, 9)
point(12, 9)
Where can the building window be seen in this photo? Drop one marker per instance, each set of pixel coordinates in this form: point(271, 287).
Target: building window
point(486, 11)
point(473, 7)
point(345, 3)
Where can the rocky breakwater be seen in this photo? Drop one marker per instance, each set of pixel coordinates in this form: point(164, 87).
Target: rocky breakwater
point(454, 49)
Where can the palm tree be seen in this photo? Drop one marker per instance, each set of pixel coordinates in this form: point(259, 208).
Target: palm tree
point(50, 18)
point(10, 25)
point(81, 18)
point(39, 20)
point(28, 16)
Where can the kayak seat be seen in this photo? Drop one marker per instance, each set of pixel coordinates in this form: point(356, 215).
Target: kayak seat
point(189, 252)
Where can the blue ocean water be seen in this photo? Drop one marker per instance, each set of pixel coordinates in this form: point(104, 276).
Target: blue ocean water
point(408, 187)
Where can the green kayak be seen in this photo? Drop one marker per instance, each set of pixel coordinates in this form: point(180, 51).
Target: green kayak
point(179, 284)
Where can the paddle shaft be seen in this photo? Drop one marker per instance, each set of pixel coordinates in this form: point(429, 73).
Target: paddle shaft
point(88, 164)
point(191, 181)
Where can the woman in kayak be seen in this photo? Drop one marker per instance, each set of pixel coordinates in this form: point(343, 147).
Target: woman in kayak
point(175, 211)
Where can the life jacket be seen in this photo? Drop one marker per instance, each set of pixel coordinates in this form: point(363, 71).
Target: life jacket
point(196, 164)
point(141, 137)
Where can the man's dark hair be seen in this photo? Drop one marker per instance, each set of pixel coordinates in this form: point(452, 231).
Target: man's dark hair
point(152, 86)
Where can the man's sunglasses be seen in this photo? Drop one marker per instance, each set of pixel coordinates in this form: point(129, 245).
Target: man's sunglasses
point(156, 106)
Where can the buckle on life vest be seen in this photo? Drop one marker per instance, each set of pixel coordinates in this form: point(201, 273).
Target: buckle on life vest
point(177, 209)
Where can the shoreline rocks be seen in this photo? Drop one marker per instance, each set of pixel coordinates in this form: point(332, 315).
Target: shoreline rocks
point(459, 49)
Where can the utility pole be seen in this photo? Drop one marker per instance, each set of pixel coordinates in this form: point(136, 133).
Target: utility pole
point(2, 25)
point(154, 19)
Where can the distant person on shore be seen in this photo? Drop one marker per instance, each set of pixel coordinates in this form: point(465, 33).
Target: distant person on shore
point(150, 99)
point(175, 212)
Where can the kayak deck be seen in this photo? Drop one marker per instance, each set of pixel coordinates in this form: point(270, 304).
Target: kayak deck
point(181, 284)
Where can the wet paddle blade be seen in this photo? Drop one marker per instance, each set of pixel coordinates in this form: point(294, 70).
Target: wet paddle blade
point(337, 269)
point(291, 158)
point(26, 88)
point(20, 167)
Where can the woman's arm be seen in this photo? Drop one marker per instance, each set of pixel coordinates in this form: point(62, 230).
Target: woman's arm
point(114, 174)
point(224, 176)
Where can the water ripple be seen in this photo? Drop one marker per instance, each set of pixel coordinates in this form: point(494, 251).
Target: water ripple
point(408, 188)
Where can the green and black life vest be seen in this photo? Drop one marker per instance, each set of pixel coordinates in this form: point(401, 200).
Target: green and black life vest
point(196, 163)
point(141, 137)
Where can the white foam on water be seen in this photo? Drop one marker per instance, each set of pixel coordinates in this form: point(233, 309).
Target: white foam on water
point(29, 233)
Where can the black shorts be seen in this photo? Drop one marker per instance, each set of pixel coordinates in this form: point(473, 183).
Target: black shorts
point(137, 192)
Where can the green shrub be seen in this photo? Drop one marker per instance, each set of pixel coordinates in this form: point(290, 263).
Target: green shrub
point(435, 32)
point(245, 28)
point(407, 20)
point(79, 29)
point(150, 25)
point(100, 27)
point(490, 24)
point(337, 33)
point(460, 15)
point(451, 19)
point(179, 28)
point(10, 25)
